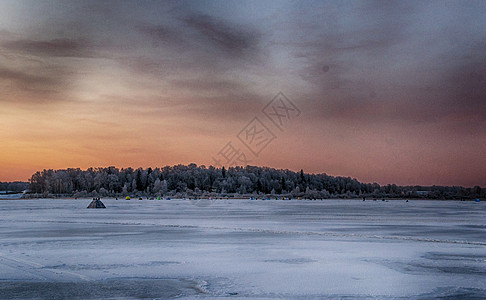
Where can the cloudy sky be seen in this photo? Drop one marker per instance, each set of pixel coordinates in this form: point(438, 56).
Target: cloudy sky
point(388, 91)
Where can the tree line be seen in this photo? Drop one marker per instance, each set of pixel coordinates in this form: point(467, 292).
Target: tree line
point(13, 187)
point(200, 181)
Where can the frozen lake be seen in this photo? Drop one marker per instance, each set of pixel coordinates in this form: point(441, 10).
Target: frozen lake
point(242, 249)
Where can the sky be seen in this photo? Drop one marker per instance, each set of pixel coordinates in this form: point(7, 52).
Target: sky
point(381, 91)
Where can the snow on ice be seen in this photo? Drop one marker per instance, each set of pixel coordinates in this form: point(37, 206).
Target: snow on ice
point(56, 248)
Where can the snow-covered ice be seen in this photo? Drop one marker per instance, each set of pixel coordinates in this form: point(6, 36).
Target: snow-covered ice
point(242, 248)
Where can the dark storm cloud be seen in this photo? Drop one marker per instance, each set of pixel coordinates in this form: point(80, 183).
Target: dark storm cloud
point(192, 47)
point(24, 79)
point(344, 43)
point(393, 62)
point(144, 65)
point(36, 86)
point(467, 85)
point(230, 38)
point(462, 102)
point(40, 71)
point(161, 34)
point(51, 48)
point(205, 84)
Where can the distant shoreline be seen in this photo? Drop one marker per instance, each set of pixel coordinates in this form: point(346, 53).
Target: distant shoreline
point(237, 198)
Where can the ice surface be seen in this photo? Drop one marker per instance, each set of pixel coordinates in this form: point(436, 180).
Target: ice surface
point(242, 248)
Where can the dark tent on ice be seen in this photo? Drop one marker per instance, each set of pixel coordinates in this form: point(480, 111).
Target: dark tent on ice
point(96, 203)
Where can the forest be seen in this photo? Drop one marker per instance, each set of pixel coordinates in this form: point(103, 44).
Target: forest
point(13, 187)
point(201, 181)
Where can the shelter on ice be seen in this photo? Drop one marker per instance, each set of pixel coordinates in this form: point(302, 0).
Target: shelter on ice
point(96, 203)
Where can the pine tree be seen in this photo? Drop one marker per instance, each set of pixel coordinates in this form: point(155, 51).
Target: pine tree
point(138, 180)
